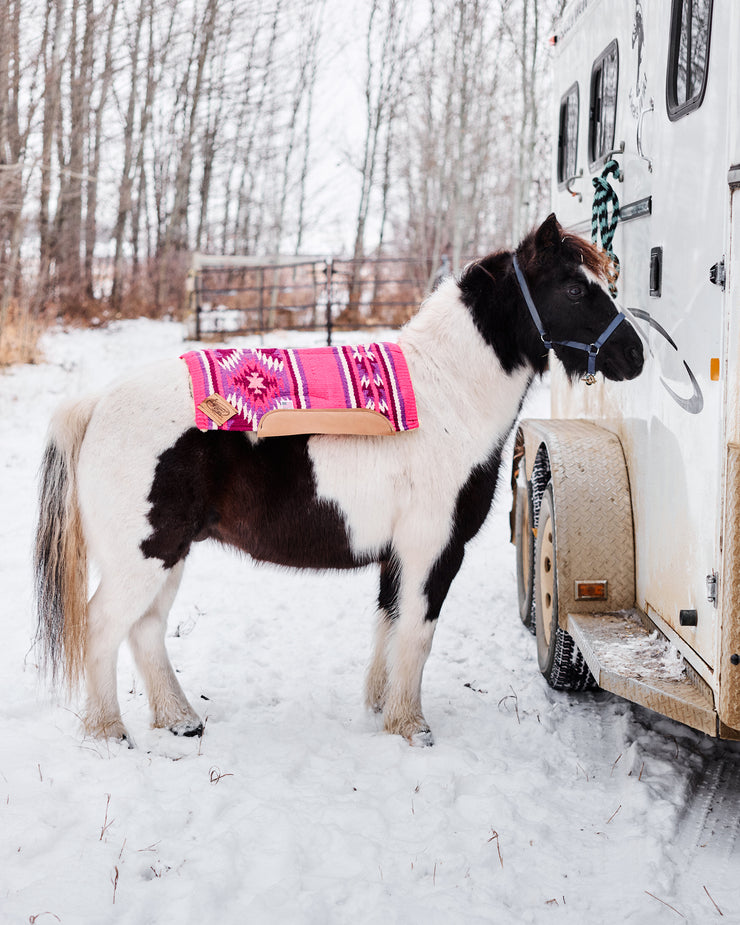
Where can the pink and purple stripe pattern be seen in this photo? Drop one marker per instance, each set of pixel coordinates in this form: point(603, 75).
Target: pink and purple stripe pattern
point(257, 380)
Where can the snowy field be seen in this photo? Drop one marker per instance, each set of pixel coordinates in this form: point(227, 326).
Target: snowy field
point(295, 807)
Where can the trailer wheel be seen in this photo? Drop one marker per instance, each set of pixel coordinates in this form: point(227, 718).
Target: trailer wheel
point(524, 541)
point(560, 661)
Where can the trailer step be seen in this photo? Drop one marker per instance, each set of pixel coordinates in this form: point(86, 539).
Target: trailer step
point(628, 659)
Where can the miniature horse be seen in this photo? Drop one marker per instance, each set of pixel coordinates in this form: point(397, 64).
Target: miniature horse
point(127, 479)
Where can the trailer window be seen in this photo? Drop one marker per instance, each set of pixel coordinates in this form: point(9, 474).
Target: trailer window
point(603, 106)
point(568, 135)
point(688, 56)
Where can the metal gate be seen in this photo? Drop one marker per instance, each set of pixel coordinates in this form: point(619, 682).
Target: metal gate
point(246, 295)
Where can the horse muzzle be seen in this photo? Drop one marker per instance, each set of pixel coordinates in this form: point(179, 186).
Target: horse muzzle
point(621, 365)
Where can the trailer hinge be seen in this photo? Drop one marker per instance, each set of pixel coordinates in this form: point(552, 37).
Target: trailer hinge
point(712, 580)
point(717, 274)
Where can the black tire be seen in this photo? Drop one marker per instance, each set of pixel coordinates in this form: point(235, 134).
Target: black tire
point(524, 542)
point(561, 664)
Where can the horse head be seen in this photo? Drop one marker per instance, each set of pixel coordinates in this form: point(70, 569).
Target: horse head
point(562, 279)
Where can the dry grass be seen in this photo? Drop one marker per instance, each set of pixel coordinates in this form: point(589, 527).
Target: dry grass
point(665, 903)
point(19, 336)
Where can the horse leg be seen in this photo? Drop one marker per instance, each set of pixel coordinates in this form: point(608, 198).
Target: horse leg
point(116, 605)
point(108, 622)
point(409, 646)
point(409, 641)
point(170, 707)
point(377, 676)
point(102, 718)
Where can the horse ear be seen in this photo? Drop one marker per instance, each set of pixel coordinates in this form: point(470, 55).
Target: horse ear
point(549, 234)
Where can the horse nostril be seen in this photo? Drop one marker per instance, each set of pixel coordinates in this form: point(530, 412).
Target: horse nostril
point(634, 355)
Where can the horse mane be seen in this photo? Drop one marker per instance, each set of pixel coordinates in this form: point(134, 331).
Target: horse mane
point(493, 265)
point(573, 247)
point(590, 255)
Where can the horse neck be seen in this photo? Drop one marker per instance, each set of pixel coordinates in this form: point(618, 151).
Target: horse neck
point(449, 358)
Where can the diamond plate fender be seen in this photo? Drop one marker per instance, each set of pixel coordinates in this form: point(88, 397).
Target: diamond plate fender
point(593, 509)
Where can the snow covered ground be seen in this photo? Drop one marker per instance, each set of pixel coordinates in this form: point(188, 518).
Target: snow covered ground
point(295, 807)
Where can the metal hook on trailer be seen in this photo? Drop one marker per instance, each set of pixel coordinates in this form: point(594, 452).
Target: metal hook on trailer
point(611, 154)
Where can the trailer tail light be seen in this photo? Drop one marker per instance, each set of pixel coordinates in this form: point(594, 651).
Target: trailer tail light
point(591, 590)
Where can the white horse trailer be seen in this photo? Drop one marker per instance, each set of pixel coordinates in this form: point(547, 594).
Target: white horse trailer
point(627, 502)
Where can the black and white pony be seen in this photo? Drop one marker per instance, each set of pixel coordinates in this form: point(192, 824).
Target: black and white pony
point(129, 482)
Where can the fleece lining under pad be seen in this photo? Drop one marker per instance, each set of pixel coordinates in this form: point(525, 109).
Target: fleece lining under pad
point(363, 389)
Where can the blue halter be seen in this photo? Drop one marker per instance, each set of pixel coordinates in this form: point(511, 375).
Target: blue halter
point(591, 349)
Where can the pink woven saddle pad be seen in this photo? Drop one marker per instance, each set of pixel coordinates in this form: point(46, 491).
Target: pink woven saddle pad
point(318, 390)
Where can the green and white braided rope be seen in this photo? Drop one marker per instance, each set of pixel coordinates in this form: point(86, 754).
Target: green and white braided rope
point(604, 224)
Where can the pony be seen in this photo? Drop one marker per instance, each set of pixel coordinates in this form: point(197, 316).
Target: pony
point(128, 482)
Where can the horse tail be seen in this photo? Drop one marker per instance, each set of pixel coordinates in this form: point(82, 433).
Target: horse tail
point(60, 556)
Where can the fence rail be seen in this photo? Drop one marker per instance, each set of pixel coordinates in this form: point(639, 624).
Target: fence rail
point(246, 296)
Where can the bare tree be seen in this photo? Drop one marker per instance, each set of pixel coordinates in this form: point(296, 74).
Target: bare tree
point(216, 113)
point(165, 125)
point(71, 137)
point(96, 145)
point(256, 148)
point(301, 97)
point(53, 60)
point(176, 227)
point(386, 48)
point(143, 14)
point(451, 137)
point(18, 79)
point(523, 22)
point(156, 63)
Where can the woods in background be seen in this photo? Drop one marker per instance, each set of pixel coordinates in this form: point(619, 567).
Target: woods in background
point(135, 131)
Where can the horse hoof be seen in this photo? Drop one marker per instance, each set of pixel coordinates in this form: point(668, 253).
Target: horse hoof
point(187, 729)
point(112, 730)
point(422, 739)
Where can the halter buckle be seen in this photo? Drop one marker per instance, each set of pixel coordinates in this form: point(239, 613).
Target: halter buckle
point(588, 378)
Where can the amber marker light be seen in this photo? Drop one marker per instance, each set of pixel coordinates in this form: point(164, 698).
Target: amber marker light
point(591, 590)
point(714, 369)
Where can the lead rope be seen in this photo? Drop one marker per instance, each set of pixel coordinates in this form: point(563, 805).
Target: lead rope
point(602, 223)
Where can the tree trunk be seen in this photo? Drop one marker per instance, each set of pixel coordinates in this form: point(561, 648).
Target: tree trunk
point(51, 49)
point(175, 236)
point(68, 222)
point(381, 92)
point(127, 178)
point(95, 155)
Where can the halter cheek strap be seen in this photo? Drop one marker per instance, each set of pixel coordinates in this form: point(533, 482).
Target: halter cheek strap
point(591, 349)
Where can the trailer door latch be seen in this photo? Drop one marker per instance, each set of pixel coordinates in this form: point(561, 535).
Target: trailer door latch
point(717, 274)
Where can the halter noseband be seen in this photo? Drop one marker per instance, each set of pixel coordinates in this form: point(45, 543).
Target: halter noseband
point(591, 349)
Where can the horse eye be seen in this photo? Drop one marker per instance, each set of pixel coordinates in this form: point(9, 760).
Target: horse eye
point(576, 292)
